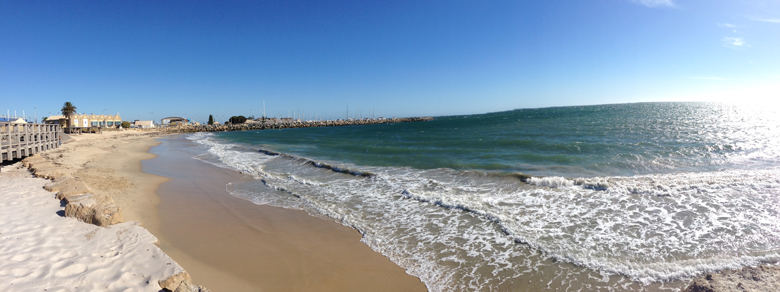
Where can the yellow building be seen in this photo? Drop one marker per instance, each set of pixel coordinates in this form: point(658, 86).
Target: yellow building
point(86, 121)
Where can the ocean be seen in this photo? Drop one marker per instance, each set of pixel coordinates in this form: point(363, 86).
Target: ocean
point(624, 197)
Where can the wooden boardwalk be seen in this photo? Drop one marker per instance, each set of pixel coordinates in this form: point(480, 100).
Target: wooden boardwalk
point(18, 141)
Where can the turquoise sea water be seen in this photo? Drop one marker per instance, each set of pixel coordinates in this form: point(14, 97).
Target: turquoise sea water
point(623, 139)
point(625, 197)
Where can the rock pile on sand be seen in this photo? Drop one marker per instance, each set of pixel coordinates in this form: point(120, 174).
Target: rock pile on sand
point(81, 202)
point(754, 279)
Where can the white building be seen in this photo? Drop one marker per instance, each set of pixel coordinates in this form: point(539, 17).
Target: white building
point(143, 124)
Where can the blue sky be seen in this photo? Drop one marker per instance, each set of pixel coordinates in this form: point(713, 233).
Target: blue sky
point(397, 58)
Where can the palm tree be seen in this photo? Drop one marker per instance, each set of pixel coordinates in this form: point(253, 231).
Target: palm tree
point(68, 110)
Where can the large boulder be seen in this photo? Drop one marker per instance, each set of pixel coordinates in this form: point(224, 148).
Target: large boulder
point(67, 187)
point(45, 170)
point(42, 168)
point(180, 282)
point(94, 209)
point(187, 286)
point(30, 159)
point(172, 283)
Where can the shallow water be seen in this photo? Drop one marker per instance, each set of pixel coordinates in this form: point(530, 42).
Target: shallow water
point(628, 197)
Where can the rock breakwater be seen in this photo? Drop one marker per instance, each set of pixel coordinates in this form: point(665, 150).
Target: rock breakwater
point(275, 125)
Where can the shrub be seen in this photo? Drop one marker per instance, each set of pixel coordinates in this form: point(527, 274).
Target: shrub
point(237, 119)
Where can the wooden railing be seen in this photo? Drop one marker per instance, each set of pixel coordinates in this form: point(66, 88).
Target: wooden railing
point(21, 140)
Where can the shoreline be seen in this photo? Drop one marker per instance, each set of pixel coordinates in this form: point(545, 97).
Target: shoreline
point(682, 283)
point(87, 246)
point(215, 234)
point(116, 164)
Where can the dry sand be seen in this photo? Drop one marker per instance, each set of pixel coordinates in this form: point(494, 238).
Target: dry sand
point(42, 251)
point(225, 243)
point(110, 164)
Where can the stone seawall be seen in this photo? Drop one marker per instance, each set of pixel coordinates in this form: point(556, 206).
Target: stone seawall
point(287, 125)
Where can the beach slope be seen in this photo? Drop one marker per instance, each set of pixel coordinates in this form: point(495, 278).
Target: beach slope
point(42, 251)
point(225, 243)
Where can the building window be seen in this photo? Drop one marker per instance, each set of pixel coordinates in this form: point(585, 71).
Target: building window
point(94, 124)
point(76, 122)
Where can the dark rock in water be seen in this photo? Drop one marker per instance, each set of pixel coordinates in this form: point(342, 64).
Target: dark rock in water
point(522, 176)
point(763, 278)
point(269, 152)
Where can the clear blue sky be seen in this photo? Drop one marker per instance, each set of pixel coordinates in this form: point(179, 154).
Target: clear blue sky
point(399, 58)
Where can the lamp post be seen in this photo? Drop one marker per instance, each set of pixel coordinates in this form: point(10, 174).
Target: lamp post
point(36, 114)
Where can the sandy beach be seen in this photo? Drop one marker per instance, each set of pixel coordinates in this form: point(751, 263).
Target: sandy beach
point(42, 251)
point(259, 247)
point(225, 243)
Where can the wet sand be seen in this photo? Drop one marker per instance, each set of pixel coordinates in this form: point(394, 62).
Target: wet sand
point(230, 244)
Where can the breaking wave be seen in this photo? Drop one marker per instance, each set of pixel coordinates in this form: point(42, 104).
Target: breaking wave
point(474, 230)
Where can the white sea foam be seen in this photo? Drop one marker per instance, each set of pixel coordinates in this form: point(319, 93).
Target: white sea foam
point(242, 161)
point(469, 232)
point(651, 228)
point(551, 181)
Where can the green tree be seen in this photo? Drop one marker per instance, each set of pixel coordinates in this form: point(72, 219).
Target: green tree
point(211, 120)
point(237, 119)
point(125, 124)
point(68, 109)
point(44, 119)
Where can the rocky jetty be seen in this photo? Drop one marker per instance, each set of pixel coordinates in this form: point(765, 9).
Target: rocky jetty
point(271, 125)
